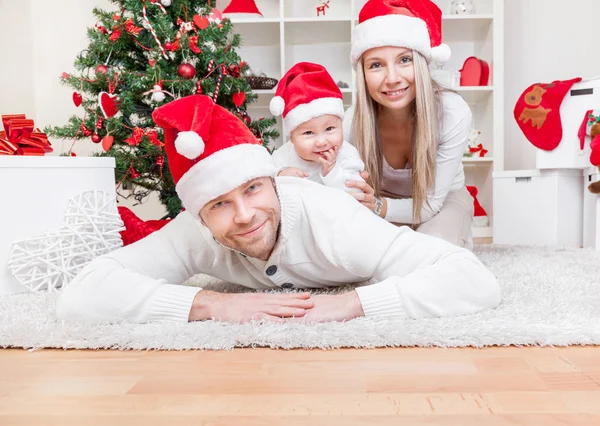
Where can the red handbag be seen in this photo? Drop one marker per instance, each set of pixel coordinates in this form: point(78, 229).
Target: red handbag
point(475, 72)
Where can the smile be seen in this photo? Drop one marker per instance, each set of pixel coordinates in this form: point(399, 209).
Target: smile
point(253, 231)
point(396, 93)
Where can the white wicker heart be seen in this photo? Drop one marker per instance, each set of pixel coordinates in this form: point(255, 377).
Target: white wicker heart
point(49, 261)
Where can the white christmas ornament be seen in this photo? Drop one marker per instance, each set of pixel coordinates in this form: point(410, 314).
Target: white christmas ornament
point(165, 3)
point(49, 261)
point(158, 96)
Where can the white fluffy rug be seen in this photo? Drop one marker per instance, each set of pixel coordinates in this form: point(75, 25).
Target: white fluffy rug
point(551, 296)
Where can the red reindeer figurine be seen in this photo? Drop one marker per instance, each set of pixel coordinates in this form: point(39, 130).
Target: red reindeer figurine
point(322, 8)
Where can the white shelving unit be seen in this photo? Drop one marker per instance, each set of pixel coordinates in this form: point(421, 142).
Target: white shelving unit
point(290, 32)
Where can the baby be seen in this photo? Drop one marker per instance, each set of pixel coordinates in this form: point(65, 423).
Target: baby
point(312, 109)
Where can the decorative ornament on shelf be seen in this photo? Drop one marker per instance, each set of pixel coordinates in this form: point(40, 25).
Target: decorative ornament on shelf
point(49, 261)
point(20, 137)
point(258, 80)
point(462, 7)
point(480, 217)
point(321, 9)
point(475, 72)
point(473, 149)
point(242, 9)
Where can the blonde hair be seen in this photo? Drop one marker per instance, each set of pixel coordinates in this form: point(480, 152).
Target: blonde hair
point(366, 135)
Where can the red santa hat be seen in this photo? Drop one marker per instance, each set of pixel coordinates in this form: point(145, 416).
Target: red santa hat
point(242, 9)
point(210, 150)
point(305, 92)
point(413, 24)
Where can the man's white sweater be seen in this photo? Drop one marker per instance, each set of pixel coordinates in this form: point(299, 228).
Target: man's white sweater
point(326, 239)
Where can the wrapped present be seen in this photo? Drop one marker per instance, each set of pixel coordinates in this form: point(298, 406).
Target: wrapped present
point(20, 137)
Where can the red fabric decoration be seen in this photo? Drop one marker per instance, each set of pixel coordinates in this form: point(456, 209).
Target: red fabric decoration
point(136, 228)
point(538, 112)
point(242, 6)
point(479, 211)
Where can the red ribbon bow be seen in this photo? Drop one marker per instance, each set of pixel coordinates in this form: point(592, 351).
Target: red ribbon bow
point(479, 148)
point(20, 137)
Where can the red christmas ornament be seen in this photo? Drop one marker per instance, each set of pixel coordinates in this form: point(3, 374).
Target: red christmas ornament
point(101, 69)
point(239, 98)
point(99, 123)
point(186, 71)
point(96, 138)
point(168, 45)
point(77, 99)
point(152, 62)
point(134, 173)
point(72, 154)
point(107, 142)
point(199, 90)
point(85, 130)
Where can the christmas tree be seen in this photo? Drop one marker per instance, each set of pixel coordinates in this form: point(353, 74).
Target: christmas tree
point(139, 57)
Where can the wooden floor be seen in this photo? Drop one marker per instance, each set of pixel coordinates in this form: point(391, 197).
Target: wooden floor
point(434, 386)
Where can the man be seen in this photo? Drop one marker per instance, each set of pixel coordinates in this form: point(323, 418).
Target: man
point(245, 227)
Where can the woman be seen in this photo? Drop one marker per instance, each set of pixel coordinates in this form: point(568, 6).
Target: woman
point(410, 132)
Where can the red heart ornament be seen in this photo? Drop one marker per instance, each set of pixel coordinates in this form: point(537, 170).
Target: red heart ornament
point(107, 142)
point(65, 75)
point(201, 22)
point(239, 98)
point(77, 99)
point(108, 104)
point(152, 62)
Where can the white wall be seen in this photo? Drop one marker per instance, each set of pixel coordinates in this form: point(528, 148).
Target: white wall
point(544, 41)
point(39, 40)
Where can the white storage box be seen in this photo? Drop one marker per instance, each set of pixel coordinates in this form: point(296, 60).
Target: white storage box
point(35, 192)
point(591, 211)
point(538, 207)
point(582, 97)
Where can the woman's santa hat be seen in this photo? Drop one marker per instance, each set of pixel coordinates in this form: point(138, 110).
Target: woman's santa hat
point(413, 24)
point(305, 92)
point(210, 151)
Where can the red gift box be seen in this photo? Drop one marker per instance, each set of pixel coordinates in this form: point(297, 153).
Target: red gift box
point(20, 137)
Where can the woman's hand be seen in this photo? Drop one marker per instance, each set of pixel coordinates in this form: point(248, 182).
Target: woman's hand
point(367, 196)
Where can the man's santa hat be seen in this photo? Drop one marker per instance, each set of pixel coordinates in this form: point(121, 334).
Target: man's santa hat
point(210, 150)
point(305, 92)
point(413, 24)
point(242, 9)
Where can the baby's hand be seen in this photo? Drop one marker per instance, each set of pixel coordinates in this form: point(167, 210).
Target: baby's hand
point(292, 171)
point(327, 160)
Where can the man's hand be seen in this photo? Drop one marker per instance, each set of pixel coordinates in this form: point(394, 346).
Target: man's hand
point(293, 171)
point(244, 307)
point(328, 159)
point(334, 307)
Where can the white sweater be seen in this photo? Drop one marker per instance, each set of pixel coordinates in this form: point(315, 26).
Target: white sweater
point(347, 166)
point(454, 130)
point(326, 239)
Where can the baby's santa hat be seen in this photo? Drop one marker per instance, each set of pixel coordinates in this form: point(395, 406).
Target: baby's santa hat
point(413, 24)
point(210, 151)
point(305, 92)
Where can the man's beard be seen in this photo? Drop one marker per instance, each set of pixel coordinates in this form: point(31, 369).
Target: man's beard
point(263, 247)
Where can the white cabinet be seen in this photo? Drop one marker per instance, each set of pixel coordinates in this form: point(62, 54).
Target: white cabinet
point(291, 31)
